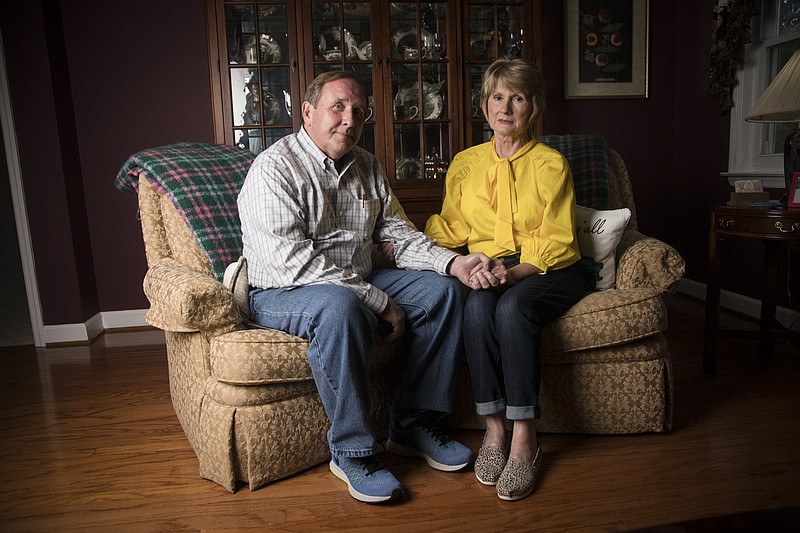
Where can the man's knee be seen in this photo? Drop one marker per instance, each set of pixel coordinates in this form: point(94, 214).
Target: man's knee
point(340, 304)
point(448, 288)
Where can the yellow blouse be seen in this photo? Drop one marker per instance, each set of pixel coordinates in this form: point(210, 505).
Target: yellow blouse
point(523, 204)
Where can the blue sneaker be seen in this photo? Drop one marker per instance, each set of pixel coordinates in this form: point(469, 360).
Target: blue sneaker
point(367, 479)
point(421, 439)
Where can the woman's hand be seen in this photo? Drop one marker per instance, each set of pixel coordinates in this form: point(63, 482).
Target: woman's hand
point(517, 273)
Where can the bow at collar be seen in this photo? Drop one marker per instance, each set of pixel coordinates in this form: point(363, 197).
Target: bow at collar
point(502, 191)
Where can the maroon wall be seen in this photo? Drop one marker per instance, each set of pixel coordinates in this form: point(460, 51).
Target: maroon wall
point(674, 143)
point(140, 79)
point(134, 74)
point(92, 82)
point(33, 93)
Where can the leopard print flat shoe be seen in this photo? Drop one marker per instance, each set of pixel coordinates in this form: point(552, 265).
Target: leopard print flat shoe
point(489, 464)
point(519, 477)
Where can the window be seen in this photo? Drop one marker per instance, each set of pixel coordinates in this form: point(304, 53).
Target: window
point(756, 150)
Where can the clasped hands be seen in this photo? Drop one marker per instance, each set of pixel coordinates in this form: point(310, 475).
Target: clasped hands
point(479, 271)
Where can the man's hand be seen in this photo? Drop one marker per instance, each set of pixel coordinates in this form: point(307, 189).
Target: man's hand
point(478, 271)
point(394, 315)
point(387, 250)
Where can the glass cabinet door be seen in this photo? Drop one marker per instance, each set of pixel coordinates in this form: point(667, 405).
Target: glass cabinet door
point(421, 64)
point(341, 39)
point(495, 30)
point(420, 121)
point(259, 73)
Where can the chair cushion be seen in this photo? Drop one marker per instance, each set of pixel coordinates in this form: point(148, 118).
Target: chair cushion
point(253, 395)
point(259, 356)
point(607, 318)
point(262, 356)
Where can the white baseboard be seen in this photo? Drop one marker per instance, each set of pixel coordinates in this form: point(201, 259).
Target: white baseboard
point(96, 325)
point(124, 319)
point(745, 305)
point(66, 333)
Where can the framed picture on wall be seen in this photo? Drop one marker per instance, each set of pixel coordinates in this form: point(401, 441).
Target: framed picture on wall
point(794, 191)
point(606, 48)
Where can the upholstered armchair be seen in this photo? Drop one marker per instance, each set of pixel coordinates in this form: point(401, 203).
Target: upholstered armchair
point(245, 396)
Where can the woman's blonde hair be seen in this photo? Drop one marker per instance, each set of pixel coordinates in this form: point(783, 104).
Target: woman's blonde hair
point(518, 75)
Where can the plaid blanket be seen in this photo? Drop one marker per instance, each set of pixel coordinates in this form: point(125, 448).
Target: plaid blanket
point(588, 160)
point(203, 181)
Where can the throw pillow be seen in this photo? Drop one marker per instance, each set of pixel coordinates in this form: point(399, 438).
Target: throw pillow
point(235, 279)
point(599, 233)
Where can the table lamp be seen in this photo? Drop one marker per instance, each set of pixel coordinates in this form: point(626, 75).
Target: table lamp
point(781, 103)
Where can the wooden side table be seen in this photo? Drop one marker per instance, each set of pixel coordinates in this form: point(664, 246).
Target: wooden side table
point(777, 228)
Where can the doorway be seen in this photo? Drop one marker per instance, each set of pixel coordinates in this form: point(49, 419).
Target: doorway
point(20, 310)
point(15, 319)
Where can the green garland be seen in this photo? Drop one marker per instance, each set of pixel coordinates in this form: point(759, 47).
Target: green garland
point(730, 33)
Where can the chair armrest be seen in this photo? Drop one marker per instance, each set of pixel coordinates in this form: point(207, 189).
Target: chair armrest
point(647, 262)
point(184, 300)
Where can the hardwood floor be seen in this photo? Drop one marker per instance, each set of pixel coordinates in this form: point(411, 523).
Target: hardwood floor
point(90, 443)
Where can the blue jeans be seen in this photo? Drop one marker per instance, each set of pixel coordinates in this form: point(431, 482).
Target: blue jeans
point(502, 339)
point(340, 331)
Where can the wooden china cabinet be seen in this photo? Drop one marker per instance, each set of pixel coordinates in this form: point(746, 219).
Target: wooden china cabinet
point(421, 63)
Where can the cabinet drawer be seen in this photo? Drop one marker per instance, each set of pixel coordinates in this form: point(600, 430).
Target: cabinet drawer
point(778, 227)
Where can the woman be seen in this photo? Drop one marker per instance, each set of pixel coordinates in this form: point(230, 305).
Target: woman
point(512, 199)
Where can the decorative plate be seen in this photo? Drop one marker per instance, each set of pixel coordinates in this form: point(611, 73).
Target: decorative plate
point(405, 45)
point(406, 101)
point(329, 46)
point(407, 168)
point(271, 108)
point(365, 51)
point(270, 49)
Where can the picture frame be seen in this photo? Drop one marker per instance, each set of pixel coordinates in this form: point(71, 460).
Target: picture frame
point(794, 191)
point(606, 49)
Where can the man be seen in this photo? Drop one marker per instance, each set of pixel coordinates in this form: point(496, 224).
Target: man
point(312, 207)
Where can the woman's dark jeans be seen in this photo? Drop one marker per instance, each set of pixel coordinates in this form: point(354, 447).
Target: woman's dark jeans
point(502, 338)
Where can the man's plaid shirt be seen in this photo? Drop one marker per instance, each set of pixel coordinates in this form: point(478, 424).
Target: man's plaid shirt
point(308, 220)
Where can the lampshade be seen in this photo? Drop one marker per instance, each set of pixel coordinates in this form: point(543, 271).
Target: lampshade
point(781, 101)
